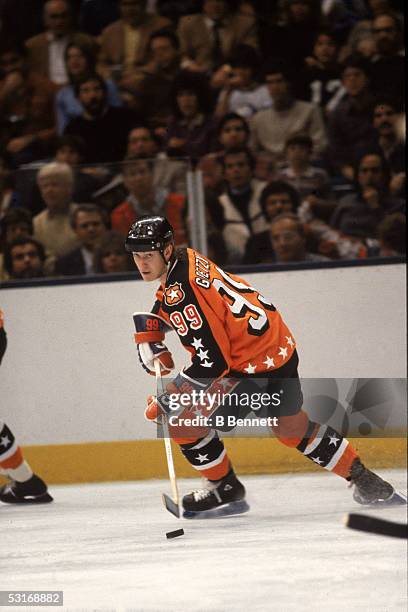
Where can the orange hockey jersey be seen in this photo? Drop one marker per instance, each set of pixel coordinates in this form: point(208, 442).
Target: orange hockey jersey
point(225, 324)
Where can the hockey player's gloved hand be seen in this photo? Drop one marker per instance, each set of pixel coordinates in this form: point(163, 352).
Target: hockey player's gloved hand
point(150, 330)
point(160, 405)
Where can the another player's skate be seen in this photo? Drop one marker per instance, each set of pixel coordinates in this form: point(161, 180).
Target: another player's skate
point(371, 490)
point(221, 498)
point(32, 491)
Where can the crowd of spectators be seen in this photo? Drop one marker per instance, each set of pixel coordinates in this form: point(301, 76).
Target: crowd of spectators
point(293, 111)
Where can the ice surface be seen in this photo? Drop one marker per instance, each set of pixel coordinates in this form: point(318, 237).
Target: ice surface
point(105, 546)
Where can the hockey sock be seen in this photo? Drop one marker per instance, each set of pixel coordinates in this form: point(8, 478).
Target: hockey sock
point(319, 443)
point(11, 458)
point(207, 455)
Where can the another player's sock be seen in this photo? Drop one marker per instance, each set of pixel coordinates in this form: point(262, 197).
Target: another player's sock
point(11, 458)
point(207, 455)
point(25, 486)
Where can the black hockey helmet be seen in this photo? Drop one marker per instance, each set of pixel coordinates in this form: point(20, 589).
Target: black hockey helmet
point(149, 233)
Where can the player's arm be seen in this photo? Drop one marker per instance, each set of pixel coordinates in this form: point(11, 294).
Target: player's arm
point(150, 332)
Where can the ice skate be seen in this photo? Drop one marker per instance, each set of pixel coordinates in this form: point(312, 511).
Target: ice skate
point(371, 490)
point(32, 491)
point(221, 498)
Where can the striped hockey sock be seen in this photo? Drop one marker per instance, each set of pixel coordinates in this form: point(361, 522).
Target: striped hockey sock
point(11, 458)
point(207, 455)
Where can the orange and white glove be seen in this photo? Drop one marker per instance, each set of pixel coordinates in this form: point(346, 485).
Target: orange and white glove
point(162, 405)
point(149, 336)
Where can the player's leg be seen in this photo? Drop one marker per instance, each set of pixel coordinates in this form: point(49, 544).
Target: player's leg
point(223, 489)
point(24, 487)
point(326, 447)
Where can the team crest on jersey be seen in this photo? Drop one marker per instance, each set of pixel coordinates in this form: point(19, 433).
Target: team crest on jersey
point(174, 294)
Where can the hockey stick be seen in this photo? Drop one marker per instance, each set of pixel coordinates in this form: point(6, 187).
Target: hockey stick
point(171, 504)
point(371, 524)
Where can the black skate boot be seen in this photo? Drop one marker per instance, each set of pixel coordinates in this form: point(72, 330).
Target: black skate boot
point(220, 498)
point(32, 491)
point(371, 490)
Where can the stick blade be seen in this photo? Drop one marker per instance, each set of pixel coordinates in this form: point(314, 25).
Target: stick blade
point(371, 524)
point(171, 505)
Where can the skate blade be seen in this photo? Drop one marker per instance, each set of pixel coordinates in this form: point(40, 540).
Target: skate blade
point(9, 498)
point(396, 499)
point(171, 505)
point(238, 507)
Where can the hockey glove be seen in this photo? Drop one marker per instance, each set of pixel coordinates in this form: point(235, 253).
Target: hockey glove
point(150, 330)
point(175, 400)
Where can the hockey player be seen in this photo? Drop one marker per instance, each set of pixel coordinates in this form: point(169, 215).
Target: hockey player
point(229, 329)
point(25, 486)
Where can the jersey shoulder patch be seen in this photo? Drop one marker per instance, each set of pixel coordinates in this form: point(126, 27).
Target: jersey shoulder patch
point(174, 294)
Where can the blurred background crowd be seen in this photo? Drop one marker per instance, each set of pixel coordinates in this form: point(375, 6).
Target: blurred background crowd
point(292, 111)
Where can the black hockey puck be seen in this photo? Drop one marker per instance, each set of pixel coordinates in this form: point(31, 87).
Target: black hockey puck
point(174, 534)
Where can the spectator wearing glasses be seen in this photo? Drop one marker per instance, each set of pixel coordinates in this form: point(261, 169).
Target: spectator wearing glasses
point(89, 224)
point(289, 241)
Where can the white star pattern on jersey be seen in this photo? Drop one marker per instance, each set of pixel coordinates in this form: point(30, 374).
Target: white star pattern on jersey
point(207, 364)
point(290, 341)
point(202, 458)
point(5, 441)
point(283, 352)
point(197, 343)
point(250, 369)
point(334, 440)
point(269, 362)
point(202, 354)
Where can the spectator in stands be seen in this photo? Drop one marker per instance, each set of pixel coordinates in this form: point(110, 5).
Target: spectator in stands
point(276, 199)
point(110, 256)
point(46, 50)
point(80, 59)
point(388, 64)
point(320, 81)
point(52, 226)
point(191, 133)
point(311, 183)
point(294, 34)
point(289, 240)
point(243, 93)
point(232, 133)
point(360, 213)
point(95, 15)
point(89, 224)
point(239, 202)
point(9, 198)
point(124, 43)
point(208, 38)
point(388, 142)
point(272, 127)
point(103, 128)
point(24, 258)
point(144, 199)
point(15, 223)
point(151, 94)
point(26, 108)
point(350, 124)
point(392, 237)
